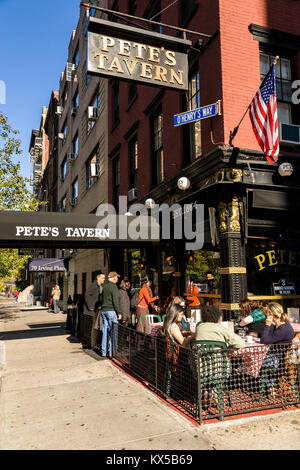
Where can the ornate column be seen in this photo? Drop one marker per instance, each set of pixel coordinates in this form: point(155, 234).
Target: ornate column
point(232, 257)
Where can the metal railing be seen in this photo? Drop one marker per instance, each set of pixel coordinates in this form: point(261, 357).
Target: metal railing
point(209, 383)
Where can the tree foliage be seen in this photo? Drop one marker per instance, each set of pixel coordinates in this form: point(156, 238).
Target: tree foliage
point(14, 193)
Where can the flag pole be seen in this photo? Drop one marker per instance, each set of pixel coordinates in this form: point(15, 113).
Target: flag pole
point(235, 130)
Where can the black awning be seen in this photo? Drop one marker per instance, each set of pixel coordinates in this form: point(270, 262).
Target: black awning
point(57, 229)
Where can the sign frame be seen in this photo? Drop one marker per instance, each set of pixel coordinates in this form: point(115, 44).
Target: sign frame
point(133, 54)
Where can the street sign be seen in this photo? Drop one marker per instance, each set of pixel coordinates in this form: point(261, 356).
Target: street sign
point(31, 252)
point(283, 287)
point(197, 114)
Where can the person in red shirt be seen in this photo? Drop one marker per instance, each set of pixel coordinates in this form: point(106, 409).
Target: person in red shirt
point(145, 299)
point(193, 298)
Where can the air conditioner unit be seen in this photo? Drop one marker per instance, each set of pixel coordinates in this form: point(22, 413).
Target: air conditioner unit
point(61, 135)
point(73, 201)
point(38, 142)
point(93, 113)
point(59, 110)
point(94, 169)
point(71, 157)
point(73, 111)
point(74, 67)
point(132, 194)
point(289, 134)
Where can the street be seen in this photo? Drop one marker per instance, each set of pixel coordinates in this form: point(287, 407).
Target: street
point(56, 396)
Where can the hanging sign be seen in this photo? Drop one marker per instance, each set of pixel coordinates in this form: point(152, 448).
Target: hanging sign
point(46, 265)
point(133, 54)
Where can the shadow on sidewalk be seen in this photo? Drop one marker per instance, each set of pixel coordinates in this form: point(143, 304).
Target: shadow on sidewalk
point(34, 332)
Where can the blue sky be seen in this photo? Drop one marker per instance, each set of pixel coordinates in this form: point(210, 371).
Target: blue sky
point(34, 39)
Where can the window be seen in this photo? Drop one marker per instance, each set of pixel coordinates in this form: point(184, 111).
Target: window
point(283, 84)
point(116, 103)
point(133, 162)
point(75, 145)
point(195, 128)
point(64, 96)
point(64, 132)
point(153, 13)
point(75, 189)
point(63, 204)
point(132, 92)
point(91, 168)
point(116, 170)
point(132, 6)
point(83, 282)
point(93, 10)
point(75, 101)
point(158, 155)
point(93, 114)
point(76, 56)
point(64, 169)
point(188, 8)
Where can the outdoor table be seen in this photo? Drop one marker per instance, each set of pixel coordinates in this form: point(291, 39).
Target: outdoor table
point(296, 327)
point(252, 358)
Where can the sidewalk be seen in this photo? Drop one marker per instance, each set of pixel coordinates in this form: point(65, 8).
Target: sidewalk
point(56, 396)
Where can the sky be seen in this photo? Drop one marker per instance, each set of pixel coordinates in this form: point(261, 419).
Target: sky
point(34, 39)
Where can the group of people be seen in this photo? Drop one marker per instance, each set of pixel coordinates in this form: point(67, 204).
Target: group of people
point(268, 322)
point(111, 304)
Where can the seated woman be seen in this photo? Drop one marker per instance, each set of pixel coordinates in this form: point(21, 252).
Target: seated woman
point(171, 326)
point(211, 329)
point(254, 317)
point(282, 332)
point(183, 325)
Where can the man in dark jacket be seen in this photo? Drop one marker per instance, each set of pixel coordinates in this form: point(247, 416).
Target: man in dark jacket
point(92, 303)
point(111, 313)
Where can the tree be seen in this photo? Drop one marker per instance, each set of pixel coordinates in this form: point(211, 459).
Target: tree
point(14, 193)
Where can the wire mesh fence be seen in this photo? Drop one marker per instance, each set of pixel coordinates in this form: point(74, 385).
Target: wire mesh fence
point(210, 381)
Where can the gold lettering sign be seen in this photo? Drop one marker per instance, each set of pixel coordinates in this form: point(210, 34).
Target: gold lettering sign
point(277, 257)
point(133, 54)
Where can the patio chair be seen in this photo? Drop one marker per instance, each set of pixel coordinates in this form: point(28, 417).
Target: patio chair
point(272, 371)
point(148, 319)
point(211, 359)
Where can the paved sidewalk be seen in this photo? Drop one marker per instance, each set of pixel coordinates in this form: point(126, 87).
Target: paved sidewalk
point(56, 396)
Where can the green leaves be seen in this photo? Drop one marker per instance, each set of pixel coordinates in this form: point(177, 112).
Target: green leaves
point(14, 194)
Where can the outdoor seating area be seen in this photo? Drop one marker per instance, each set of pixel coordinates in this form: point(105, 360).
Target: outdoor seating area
point(208, 380)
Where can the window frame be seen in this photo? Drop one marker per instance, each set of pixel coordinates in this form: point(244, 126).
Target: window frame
point(158, 173)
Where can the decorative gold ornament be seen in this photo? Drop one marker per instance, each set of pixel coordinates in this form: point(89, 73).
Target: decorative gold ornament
point(223, 213)
point(235, 225)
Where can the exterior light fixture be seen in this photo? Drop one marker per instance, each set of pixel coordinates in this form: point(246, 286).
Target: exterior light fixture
point(149, 203)
point(183, 183)
point(285, 169)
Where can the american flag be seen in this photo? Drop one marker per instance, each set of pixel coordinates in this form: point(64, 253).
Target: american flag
point(264, 118)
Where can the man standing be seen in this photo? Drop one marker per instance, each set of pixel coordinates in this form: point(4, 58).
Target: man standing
point(56, 296)
point(92, 303)
point(111, 313)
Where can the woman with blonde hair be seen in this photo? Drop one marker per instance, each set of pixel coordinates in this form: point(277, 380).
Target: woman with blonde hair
point(283, 331)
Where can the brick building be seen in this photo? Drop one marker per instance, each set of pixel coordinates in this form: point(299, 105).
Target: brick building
point(238, 187)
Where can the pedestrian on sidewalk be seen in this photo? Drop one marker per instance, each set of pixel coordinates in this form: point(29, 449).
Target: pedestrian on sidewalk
point(92, 303)
point(125, 302)
point(56, 296)
point(111, 313)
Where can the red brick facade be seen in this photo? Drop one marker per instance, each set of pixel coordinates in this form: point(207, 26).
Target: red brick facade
point(229, 70)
